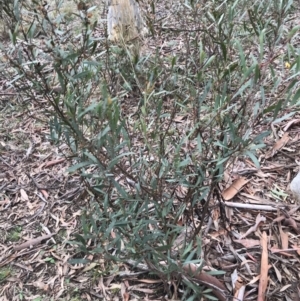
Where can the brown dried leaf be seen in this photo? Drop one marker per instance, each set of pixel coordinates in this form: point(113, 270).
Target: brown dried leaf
point(215, 216)
point(218, 288)
point(282, 217)
point(278, 274)
point(259, 220)
point(126, 297)
point(297, 248)
point(229, 213)
point(292, 223)
point(285, 287)
point(141, 289)
point(149, 281)
point(236, 280)
point(282, 252)
point(290, 123)
point(179, 119)
point(181, 191)
point(234, 188)
point(53, 162)
point(284, 238)
point(90, 267)
point(248, 243)
point(45, 194)
point(263, 280)
point(112, 233)
point(102, 287)
point(278, 145)
point(41, 285)
point(24, 195)
point(239, 295)
point(254, 280)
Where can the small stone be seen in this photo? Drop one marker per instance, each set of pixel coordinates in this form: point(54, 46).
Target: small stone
point(295, 187)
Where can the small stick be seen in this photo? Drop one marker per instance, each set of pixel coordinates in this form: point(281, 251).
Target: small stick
point(32, 242)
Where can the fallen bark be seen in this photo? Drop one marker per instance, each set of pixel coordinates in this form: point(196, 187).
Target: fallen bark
point(32, 242)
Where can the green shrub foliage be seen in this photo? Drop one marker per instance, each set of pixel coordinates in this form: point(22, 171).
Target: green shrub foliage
point(151, 134)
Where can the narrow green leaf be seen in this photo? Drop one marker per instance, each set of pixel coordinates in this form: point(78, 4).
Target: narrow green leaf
point(296, 97)
point(91, 107)
point(185, 162)
point(253, 158)
point(78, 261)
point(80, 239)
point(209, 61)
point(211, 297)
point(287, 116)
point(293, 31)
point(78, 166)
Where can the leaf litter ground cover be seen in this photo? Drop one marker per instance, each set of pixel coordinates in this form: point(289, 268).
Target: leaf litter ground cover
point(252, 234)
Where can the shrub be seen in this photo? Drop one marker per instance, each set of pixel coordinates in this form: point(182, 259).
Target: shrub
point(151, 135)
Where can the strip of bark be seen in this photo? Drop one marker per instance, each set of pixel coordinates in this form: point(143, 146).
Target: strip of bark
point(32, 242)
point(263, 280)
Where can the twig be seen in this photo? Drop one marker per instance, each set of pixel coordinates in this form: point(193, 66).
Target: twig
point(6, 163)
point(253, 207)
point(32, 242)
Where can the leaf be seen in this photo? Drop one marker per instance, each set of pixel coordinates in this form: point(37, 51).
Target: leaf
point(208, 62)
point(78, 261)
point(253, 158)
point(248, 243)
point(264, 268)
point(290, 123)
point(89, 267)
point(234, 188)
point(293, 32)
point(286, 116)
point(185, 162)
point(218, 288)
point(278, 145)
point(296, 248)
point(80, 239)
point(78, 166)
point(284, 239)
point(278, 274)
point(259, 220)
point(24, 195)
point(285, 287)
point(91, 107)
point(91, 8)
point(296, 97)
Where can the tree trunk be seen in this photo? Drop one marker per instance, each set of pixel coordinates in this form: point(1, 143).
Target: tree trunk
point(124, 21)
